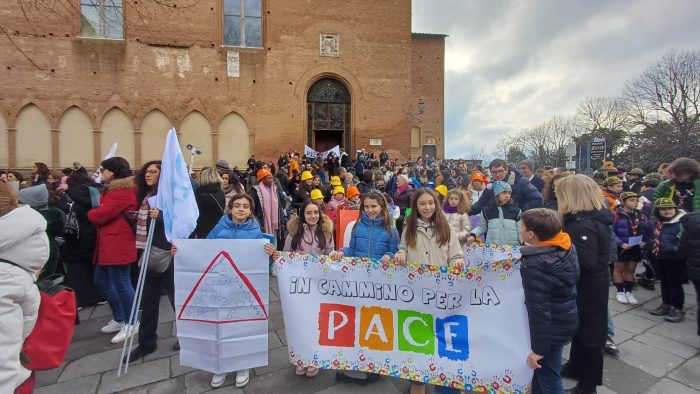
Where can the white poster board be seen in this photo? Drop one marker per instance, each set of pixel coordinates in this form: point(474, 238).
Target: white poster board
point(221, 303)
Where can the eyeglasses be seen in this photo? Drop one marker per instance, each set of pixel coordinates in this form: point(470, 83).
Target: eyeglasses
point(152, 172)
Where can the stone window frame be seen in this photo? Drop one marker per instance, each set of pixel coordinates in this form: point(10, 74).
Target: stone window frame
point(242, 16)
point(103, 7)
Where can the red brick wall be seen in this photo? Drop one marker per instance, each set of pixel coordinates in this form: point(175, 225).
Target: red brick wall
point(172, 59)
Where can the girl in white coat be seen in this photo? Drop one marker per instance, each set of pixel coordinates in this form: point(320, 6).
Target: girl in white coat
point(24, 249)
point(456, 208)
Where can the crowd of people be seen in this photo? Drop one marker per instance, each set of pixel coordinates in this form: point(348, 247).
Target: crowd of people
point(578, 235)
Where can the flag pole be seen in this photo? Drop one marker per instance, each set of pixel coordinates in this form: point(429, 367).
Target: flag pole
point(137, 301)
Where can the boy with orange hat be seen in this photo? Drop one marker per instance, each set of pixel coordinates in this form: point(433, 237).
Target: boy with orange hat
point(353, 197)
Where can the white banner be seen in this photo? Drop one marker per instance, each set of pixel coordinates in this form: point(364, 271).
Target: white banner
point(465, 329)
point(221, 303)
point(310, 152)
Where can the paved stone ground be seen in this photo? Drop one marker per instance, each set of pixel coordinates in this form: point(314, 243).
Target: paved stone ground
point(655, 357)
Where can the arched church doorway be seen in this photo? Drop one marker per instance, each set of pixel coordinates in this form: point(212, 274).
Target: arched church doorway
point(328, 105)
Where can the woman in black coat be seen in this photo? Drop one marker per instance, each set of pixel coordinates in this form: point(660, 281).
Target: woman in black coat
point(587, 221)
point(78, 252)
point(210, 200)
point(689, 246)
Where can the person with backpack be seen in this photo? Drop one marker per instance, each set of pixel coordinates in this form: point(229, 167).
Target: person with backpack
point(80, 235)
point(24, 249)
point(116, 244)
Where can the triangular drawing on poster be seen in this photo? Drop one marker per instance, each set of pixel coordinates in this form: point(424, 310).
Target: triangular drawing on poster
point(207, 302)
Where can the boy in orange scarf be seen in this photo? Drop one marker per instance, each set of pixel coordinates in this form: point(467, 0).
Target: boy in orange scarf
point(549, 274)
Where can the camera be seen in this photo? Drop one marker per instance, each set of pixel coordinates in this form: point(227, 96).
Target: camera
point(193, 149)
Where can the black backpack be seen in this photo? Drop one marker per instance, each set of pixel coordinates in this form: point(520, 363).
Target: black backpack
point(71, 231)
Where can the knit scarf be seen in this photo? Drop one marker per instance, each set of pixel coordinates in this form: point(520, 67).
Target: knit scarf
point(270, 204)
point(448, 208)
point(560, 240)
point(657, 238)
point(142, 224)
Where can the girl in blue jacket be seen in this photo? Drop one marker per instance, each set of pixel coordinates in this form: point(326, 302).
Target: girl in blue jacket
point(373, 235)
point(240, 224)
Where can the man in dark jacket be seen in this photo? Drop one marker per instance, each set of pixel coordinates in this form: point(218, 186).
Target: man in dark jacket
point(527, 167)
point(549, 274)
point(689, 246)
point(524, 194)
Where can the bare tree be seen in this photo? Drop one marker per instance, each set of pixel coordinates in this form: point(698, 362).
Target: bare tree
point(546, 142)
point(610, 113)
point(669, 90)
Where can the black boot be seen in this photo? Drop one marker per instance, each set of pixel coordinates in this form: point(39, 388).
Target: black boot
point(662, 310)
point(139, 352)
point(176, 345)
point(675, 315)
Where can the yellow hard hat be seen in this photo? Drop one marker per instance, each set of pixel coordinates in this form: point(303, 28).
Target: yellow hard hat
point(306, 175)
point(316, 195)
point(339, 189)
point(442, 189)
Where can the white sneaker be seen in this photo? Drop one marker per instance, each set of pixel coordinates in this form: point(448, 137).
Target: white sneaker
point(122, 334)
point(112, 327)
point(242, 378)
point(621, 297)
point(631, 299)
point(218, 380)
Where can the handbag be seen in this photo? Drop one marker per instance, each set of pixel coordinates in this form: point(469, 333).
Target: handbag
point(158, 260)
point(47, 345)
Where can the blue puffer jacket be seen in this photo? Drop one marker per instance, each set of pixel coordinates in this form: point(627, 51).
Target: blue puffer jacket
point(669, 239)
point(227, 229)
point(622, 225)
point(549, 276)
point(370, 239)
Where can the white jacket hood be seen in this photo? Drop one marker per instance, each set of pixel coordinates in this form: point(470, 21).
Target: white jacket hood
point(23, 238)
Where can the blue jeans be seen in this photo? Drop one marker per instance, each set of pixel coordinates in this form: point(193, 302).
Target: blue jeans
point(114, 282)
point(547, 379)
point(611, 328)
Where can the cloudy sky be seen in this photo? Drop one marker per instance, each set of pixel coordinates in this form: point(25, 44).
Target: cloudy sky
point(513, 64)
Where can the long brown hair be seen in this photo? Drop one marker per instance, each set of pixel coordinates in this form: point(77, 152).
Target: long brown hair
point(379, 197)
point(319, 234)
point(438, 220)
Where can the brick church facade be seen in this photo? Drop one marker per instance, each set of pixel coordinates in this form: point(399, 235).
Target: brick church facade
point(235, 77)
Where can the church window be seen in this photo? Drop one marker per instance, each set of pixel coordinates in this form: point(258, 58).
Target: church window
point(243, 23)
point(102, 19)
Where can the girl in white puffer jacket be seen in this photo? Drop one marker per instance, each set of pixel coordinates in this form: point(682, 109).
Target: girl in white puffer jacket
point(23, 241)
point(456, 208)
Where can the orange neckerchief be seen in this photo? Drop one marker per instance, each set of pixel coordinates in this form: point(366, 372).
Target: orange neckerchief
point(560, 240)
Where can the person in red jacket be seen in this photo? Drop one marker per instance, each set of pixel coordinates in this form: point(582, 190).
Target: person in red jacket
point(116, 244)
